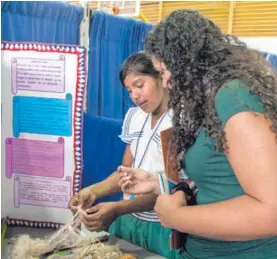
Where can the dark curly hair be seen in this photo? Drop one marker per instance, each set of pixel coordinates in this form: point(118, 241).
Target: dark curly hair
point(201, 59)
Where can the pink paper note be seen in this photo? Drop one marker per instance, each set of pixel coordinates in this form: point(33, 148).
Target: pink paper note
point(35, 157)
point(37, 191)
point(43, 75)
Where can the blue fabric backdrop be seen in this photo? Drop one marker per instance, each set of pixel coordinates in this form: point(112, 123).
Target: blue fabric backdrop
point(272, 59)
point(103, 150)
point(47, 22)
point(112, 39)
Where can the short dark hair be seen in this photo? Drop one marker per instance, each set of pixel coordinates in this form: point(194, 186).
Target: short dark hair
point(139, 63)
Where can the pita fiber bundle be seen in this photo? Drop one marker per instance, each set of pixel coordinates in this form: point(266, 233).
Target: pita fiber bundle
point(68, 236)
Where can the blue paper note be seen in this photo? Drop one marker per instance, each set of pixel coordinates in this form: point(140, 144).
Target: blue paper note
point(39, 115)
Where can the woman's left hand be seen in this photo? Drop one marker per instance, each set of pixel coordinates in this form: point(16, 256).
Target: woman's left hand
point(137, 181)
point(167, 205)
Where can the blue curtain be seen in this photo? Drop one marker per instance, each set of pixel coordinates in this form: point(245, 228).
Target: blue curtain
point(272, 59)
point(102, 150)
point(47, 22)
point(112, 39)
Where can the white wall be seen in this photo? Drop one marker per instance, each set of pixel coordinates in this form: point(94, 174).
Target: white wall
point(266, 44)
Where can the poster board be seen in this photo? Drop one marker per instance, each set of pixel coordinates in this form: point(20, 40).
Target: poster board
point(42, 93)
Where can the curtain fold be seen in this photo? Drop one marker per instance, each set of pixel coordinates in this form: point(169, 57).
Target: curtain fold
point(112, 40)
point(102, 150)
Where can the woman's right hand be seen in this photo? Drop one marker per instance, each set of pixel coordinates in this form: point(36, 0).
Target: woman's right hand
point(137, 181)
point(83, 199)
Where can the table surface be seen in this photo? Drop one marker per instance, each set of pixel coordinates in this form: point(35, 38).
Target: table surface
point(125, 246)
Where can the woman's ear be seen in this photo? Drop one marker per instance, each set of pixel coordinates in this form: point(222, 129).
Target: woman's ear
point(164, 73)
point(163, 66)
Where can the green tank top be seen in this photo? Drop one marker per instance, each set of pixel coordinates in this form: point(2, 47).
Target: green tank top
point(216, 180)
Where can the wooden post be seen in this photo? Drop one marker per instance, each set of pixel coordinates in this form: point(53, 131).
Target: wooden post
point(231, 17)
point(160, 11)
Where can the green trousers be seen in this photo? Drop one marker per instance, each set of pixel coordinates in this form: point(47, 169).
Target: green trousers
point(149, 235)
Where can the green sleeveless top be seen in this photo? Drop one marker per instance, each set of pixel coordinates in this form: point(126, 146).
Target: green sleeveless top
point(216, 180)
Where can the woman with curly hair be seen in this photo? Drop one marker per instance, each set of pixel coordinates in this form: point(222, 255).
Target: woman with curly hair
point(224, 101)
